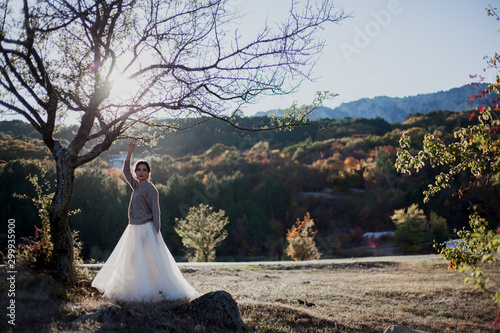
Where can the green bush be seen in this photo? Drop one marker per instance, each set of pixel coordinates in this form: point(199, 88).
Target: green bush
point(202, 230)
point(438, 228)
point(36, 252)
point(411, 224)
point(473, 252)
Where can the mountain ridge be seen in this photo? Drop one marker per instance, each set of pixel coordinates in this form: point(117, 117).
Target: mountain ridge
point(397, 109)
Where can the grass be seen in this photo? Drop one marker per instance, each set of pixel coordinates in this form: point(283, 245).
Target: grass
point(350, 297)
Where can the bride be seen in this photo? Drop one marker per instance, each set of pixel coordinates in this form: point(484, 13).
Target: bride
point(141, 268)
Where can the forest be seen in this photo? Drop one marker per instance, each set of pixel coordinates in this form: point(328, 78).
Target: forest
point(340, 171)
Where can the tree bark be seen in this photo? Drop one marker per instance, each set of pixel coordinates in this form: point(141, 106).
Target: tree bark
point(62, 255)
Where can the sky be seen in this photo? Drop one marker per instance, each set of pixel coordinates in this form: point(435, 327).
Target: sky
point(391, 48)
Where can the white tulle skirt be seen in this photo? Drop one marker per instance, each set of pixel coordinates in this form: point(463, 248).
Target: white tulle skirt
point(141, 268)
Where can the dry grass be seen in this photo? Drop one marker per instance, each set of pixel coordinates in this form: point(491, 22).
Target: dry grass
point(344, 297)
point(362, 297)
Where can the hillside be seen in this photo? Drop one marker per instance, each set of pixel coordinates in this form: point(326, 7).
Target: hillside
point(340, 171)
point(395, 109)
point(22, 141)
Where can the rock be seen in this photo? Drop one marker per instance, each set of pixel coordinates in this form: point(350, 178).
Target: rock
point(400, 329)
point(212, 312)
point(218, 309)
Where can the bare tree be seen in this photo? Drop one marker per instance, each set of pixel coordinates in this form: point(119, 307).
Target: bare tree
point(120, 65)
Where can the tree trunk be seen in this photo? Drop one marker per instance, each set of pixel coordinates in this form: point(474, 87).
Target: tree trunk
point(62, 255)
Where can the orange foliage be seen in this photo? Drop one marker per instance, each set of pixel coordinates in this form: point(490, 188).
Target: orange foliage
point(390, 150)
point(114, 173)
point(351, 163)
point(255, 156)
point(300, 238)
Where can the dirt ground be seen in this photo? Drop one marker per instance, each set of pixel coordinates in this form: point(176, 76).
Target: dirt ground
point(325, 296)
point(420, 294)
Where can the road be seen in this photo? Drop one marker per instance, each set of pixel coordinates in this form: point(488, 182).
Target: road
point(301, 263)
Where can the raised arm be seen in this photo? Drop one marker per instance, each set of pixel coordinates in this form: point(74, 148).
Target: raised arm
point(126, 165)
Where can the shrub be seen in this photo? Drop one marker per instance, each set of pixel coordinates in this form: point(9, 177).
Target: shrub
point(411, 224)
point(36, 252)
point(438, 229)
point(300, 237)
point(472, 254)
point(202, 230)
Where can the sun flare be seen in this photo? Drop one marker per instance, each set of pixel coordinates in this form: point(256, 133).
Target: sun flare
point(122, 86)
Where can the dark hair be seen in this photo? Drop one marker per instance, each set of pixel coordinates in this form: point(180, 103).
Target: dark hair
point(142, 162)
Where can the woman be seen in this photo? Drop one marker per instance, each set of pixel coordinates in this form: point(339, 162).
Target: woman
point(141, 268)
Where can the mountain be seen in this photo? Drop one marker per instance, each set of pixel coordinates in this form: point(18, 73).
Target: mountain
point(396, 109)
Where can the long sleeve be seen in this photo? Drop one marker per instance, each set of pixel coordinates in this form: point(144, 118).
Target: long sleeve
point(144, 202)
point(127, 173)
point(154, 205)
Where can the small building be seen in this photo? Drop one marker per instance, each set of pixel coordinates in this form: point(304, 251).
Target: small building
point(116, 160)
point(377, 235)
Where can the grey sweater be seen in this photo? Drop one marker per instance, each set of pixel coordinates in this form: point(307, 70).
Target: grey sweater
point(144, 204)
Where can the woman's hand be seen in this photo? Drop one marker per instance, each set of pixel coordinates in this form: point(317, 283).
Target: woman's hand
point(132, 145)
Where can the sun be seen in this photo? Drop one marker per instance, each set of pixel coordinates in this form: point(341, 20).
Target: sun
point(124, 84)
point(123, 87)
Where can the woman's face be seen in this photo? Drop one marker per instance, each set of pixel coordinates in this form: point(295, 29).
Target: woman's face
point(141, 172)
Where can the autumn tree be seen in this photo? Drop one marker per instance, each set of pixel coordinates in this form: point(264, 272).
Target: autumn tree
point(118, 66)
point(473, 153)
point(300, 238)
point(202, 230)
